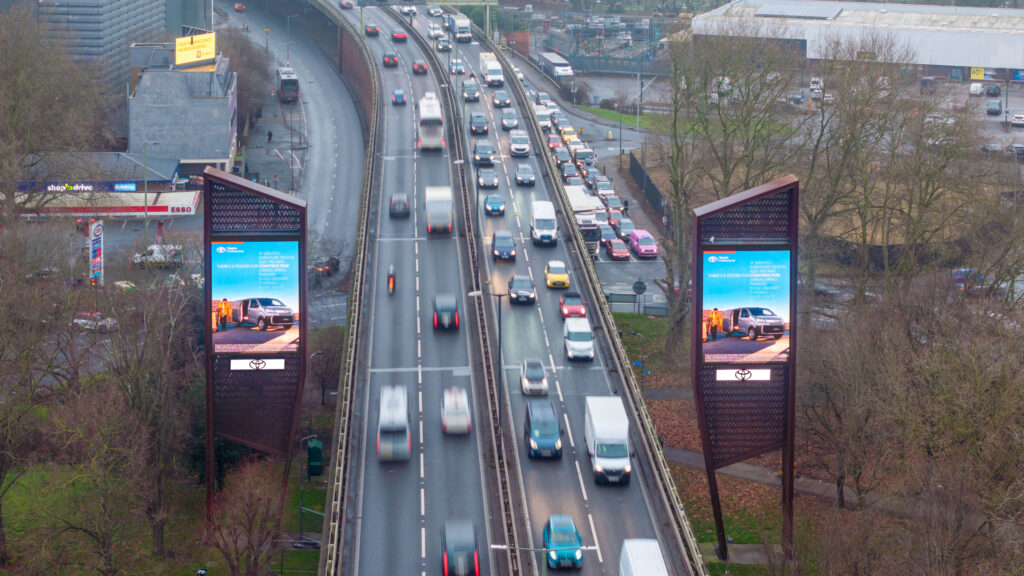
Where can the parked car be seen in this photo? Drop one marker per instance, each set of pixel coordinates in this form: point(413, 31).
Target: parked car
point(94, 322)
point(976, 89)
point(1017, 121)
point(994, 108)
point(993, 90)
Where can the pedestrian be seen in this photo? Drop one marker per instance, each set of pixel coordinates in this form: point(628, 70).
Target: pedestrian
point(625, 206)
point(270, 136)
point(223, 309)
point(579, 131)
point(714, 319)
point(275, 181)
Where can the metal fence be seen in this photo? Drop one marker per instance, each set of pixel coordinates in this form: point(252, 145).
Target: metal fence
point(643, 180)
point(613, 65)
point(647, 304)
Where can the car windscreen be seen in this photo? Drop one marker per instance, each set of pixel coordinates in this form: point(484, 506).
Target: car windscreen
point(521, 284)
point(611, 451)
point(645, 241)
point(556, 269)
point(534, 371)
point(503, 242)
point(484, 149)
point(544, 427)
point(761, 312)
point(572, 301)
point(545, 223)
point(563, 537)
point(269, 302)
point(579, 336)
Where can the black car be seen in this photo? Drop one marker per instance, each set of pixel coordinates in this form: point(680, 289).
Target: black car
point(524, 175)
point(390, 59)
point(607, 233)
point(446, 312)
point(460, 556)
point(521, 290)
point(487, 178)
point(569, 169)
point(471, 91)
point(562, 156)
point(613, 202)
point(442, 45)
point(399, 207)
point(503, 247)
point(993, 90)
point(477, 123)
point(501, 99)
point(483, 153)
point(372, 29)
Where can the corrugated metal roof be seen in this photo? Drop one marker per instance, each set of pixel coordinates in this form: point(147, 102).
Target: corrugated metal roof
point(806, 10)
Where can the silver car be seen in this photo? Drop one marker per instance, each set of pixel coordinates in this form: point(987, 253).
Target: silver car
point(757, 321)
point(455, 418)
point(532, 377)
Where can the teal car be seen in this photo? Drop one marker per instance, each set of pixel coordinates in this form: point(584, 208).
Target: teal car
point(562, 541)
point(494, 205)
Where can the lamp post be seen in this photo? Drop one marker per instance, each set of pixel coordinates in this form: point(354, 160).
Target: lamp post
point(323, 391)
point(643, 357)
point(620, 134)
point(501, 367)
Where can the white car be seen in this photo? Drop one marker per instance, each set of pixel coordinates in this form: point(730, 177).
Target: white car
point(517, 72)
point(408, 10)
point(532, 377)
point(816, 83)
point(1017, 121)
point(976, 89)
point(455, 418)
point(94, 322)
point(434, 11)
point(435, 31)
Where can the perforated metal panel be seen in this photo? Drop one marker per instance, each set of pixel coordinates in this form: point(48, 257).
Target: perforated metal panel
point(744, 419)
point(255, 407)
point(239, 211)
point(766, 218)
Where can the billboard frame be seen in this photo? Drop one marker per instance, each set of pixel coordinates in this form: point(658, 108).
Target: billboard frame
point(767, 215)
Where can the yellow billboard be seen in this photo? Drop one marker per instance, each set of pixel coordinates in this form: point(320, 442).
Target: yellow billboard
point(977, 73)
point(198, 48)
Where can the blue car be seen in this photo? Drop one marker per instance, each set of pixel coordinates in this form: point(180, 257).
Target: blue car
point(398, 98)
point(494, 205)
point(563, 543)
point(503, 247)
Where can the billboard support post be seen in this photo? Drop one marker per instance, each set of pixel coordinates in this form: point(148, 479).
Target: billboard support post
point(744, 336)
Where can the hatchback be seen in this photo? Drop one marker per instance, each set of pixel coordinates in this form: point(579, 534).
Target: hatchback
point(455, 415)
point(487, 178)
point(399, 206)
point(532, 377)
point(623, 227)
point(571, 305)
point(563, 542)
point(616, 250)
point(398, 97)
point(477, 123)
point(503, 247)
point(509, 120)
point(419, 67)
point(521, 290)
point(501, 99)
point(459, 554)
point(446, 312)
point(524, 175)
point(399, 35)
point(494, 205)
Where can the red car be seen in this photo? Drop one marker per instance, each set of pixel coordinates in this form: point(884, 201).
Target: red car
point(572, 306)
point(554, 141)
point(617, 250)
point(239, 7)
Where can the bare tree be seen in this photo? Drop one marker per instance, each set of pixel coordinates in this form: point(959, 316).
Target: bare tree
point(252, 64)
point(247, 517)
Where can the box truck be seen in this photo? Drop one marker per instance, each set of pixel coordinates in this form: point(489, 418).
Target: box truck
point(607, 437)
point(491, 69)
point(439, 209)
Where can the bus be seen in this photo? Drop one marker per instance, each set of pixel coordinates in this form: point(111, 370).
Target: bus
point(287, 85)
point(554, 65)
point(431, 123)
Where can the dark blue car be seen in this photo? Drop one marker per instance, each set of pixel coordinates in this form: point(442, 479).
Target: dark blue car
point(503, 247)
point(494, 205)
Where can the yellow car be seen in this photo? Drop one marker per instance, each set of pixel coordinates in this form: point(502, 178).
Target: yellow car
point(556, 275)
point(569, 134)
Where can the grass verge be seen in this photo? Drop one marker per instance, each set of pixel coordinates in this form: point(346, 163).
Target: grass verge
point(647, 121)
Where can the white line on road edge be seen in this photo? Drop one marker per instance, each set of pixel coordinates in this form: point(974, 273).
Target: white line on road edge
point(565, 415)
point(597, 545)
point(579, 476)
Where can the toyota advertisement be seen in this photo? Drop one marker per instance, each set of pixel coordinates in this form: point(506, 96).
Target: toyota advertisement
point(745, 315)
point(255, 296)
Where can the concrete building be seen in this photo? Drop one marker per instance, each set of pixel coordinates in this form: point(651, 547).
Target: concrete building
point(186, 114)
point(959, 43)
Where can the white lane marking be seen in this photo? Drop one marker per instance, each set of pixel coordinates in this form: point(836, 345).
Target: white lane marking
point(418, 331)
point(423, 541)
point(551, 359)
point(417, 266)
point(417, 303)
point(419, 375)
point(422, 469)
point(417, 283)
point(419, 349)
point(558, 387)
point(421, 432)
point(546, 341)
point(540, 311)
point(416, 248)
point(579, 476)
point(530, 271)
point(568, 430)
point(423, 502)
point(420, 395)
point(597, 545)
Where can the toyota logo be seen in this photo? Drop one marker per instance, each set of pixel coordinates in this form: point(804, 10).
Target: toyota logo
point(257, 364)
point(221, 249)
point(743, 375)
point(712, 258)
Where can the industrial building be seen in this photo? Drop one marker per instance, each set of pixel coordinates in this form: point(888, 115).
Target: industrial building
point(955, 42)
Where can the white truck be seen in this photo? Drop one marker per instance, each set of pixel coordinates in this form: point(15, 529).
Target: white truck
point(491, 69)
point(462, 26)
point(160, 255)
point(641, 557)
point(580, 203)
point(607, 437)
point(439, 209)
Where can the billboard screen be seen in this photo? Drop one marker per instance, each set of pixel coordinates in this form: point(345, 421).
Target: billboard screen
point(746, 296)
point(196, 48)
point(254, 286)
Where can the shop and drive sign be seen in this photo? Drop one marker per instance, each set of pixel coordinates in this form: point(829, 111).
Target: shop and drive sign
point(95, 247)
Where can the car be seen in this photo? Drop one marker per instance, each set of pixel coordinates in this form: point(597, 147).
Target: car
point(459, 554)
point(757, 321)
point(562, 155)
point(994, 108)
point(569, 169)
point(434, 11)
point(563, 543)
point(542, 431)
point(642, 244)
point(993, 90)
point(976, 89)
point(559, 119)
point(483, 153)
point(517, 72)
point(521, 290)
point(399, 205)
point(239, 7)
point(816, 94)
point(613, 218)
point(616, 249)
point(574, 145)
point(603, 187)
point(568, 133)
point(94, 322)
point(346, 4)
point(613, 202)
point(509, 120)
point(435, 32)
point(571, 305)
point(623, 227)
point(399, 35)
point(1017, 121)
point(443, 45)
point(446, 312)
point(478, 123)
point(419, 67)
point(524, 175)
point(607, 234)
point(471, 90)
point(458, 67)
point(372, 29)
point(398, 97)
point(407, 10)
point(960, 105)
point(815, 83)
point(494, 205)
point(487, 178)
point(574, 181)
point(556, 274)
point(541, 98)
point(519, 143)
point(501, 99)
point(455, 413)
point(532, 377)
point(390, 59)
point(503, 247)
point(554, 141)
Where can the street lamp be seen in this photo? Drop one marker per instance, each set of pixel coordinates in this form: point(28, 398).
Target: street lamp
point(643, 357)
point(501, 367)
point(323, 391)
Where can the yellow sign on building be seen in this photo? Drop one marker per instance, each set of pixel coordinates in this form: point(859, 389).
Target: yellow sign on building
point(977, 73)
point(198, 48)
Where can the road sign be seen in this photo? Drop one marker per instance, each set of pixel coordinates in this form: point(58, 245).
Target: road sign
point(639, 363)
point(639, 287)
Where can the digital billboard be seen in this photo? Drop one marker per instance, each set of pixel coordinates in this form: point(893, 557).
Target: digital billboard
point(254, 288)
point(195, 48)
point(745, 312)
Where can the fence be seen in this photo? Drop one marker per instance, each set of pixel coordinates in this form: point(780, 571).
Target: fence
point(648, 304)
point(654, 196)
point(614, 65)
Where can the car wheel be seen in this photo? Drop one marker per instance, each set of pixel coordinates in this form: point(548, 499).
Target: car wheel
point(261, 324)
point(752, 334)
point(287, 326)
point(777, 336)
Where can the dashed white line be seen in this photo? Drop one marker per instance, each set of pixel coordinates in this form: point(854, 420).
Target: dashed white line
point(417, 303)
point(417, 265)
point(540, 312)
point(568, 430)
point(422, 468)
point(421, 432)
point(579, 476)
point(558, 388)
point(423, 541)
point(551, 359)
point(418, 331)
point(423, 502)
point(419, 349)
point(417, 283)
point(419, 393)
point(597, 545)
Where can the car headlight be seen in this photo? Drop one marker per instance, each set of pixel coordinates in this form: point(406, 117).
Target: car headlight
point(553, 554)
point(512, 252)
point(599, 469)
point(628, 469)
point(533, 444)
point(476, 156)
point(558, 444)
point(496, 253)
point(565, 311)
point(579, 554)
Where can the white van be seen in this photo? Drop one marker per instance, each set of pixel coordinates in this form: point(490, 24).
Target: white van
point(641, 557)
point(543, 223)
point(394, 438)
point(578, 339)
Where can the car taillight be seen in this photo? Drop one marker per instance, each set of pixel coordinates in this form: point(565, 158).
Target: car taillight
point(445, 563)
point(435, 319)
point(378, 443)
point(456, 319)
point(476, 562)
